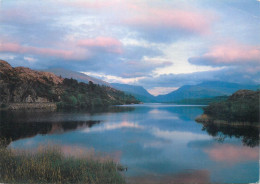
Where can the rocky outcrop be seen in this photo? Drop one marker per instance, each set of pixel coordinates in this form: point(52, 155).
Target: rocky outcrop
point(23, 85)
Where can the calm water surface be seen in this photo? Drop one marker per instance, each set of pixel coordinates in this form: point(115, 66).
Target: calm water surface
point(158, 143)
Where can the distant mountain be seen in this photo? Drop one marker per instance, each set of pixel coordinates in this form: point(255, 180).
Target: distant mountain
point(76, 75)
point(227, 87)
point(204, 90)
point(137, 91)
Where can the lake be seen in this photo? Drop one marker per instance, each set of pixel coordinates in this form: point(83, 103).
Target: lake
point(158, 143)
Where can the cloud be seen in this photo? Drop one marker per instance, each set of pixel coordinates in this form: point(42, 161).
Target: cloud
point(229, 74)
point(32, 23)
point(150, 20)
point(29, 59)
point(107, 43)
point(127, 67)
point(177, 80)
point(82, 4)
point(161, 90)
point(172, 19)
point(113, 78)
point(142, 67)
point(133, 40)
point(123, 71)
point(229, 54)
point(162, 23)
point(60, 53)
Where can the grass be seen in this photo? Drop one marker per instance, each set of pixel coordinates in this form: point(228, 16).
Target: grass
point(49, 165)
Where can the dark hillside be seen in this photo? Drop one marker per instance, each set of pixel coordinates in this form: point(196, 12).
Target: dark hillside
point(242, 106)
point(23, 85)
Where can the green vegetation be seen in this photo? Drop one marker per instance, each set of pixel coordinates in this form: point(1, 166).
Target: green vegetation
point(51, 166)
point(201, 101)
point(82, 95)
point(242, 106)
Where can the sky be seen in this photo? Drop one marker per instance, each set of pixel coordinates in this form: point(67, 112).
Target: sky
point(158, 44)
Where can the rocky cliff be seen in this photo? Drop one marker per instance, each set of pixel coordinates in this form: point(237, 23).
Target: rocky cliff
point(25, 85)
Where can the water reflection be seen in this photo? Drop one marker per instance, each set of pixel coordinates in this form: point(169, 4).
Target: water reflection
point(112, 126)
point(232, 154)
point(186, 176)
point(248, 135)
point(35, 116)
point(158, 143)
point(12, 131)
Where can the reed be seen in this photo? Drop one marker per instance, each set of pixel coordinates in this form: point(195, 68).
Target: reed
point(49, 165)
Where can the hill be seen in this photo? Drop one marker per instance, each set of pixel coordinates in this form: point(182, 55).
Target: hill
point(207, 89)
point(240, 108)
point(25, 86)
point(137, 91)
point(76, 75)
point(201, 101)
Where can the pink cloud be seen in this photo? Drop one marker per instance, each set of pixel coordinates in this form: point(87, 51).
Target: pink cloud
point(156, 18)
point(143, 14)
point(231, 53)
point(17, 48)
point(107, 43)
point(232, 153)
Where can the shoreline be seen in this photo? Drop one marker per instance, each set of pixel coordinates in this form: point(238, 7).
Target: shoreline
point(29, 106)
point(50, 106)
point(205, 119)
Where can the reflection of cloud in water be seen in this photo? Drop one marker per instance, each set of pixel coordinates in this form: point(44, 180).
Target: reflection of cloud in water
point(188, 176)
point(29, 142)
point(169, 137)
point(178, 135)
point(162, 114)
point(156, 144)
point(112, 126)
point(232, 153)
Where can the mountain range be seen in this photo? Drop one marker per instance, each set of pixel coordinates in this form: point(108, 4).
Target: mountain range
point(207, 89)
point(80, 77)
point(137, 91)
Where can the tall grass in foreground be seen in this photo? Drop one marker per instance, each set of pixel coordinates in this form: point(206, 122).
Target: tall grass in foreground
point(49, 165)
